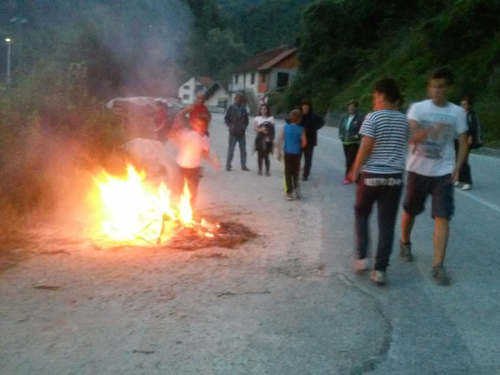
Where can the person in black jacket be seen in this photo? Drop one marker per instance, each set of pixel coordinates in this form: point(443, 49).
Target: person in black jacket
point(236, 119)
point(311, 122)
point(350, 123)
point(474, 141)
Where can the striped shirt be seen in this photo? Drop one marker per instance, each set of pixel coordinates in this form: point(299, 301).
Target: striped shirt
point(391, 131)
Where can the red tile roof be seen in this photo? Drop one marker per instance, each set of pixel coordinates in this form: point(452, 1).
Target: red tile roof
point(205, 81)
point(265, 60)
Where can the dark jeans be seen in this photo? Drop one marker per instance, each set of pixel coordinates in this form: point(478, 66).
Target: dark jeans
point(308, 158)
point(464, 175)
point(350, 151)
point(240, 139)
point(292, 169)
point(263, 155)
point(385, 189)
point(191, 176)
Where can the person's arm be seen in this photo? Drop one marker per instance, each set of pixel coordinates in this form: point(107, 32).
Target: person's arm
point(213, 160)
point(462, 154)
point(280, 144)
point(186, 111)
point(303, 139)
point(227, 116)
point(363, 153)
point(246, 119)
point(320, 122)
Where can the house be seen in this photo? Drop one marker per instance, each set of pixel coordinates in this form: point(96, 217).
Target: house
point(189, 89)
point(266, 73)
point(216, 95)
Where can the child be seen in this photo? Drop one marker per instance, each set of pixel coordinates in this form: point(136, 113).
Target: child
point(294, 137)
point(264, 127)
point(193, 146)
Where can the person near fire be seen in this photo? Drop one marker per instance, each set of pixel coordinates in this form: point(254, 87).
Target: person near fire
point(195, 109)
point(193, 147)
point(350, 123)
point(265, 129)
point(293, 140)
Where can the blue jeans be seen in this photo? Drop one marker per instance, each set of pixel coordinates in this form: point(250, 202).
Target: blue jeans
point(243, 150)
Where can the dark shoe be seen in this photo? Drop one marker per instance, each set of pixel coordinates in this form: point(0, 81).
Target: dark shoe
point(245, 169)
point(305, 178)
point(268, 174)
point(297, 194)
point(405, 251)
point(440, 276)
point(228, 169)
point(378, 277)
point(259, 173)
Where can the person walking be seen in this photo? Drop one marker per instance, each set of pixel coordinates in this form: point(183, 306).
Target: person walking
point(292, 139)
point(350, 123)
point(432, 167)
point(473, 141)
point(311, 122)
point(236, 119)
point(264, 126)
point(378, 171)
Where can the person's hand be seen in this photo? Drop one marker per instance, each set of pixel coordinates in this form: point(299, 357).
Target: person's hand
point(353, 175)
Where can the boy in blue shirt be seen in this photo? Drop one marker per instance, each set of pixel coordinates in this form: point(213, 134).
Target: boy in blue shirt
point(294, 138)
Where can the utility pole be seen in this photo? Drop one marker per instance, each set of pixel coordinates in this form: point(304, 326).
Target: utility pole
point(8, 62)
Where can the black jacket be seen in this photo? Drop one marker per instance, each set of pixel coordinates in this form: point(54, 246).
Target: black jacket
point(236, 120)
point(351, 135)
point(264, 142)
point(474, 129)
point(312, 123)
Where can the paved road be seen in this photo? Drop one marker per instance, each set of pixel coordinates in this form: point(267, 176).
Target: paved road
point(411, 326)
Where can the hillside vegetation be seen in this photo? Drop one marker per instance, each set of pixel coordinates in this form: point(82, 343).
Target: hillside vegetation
point(348, 45)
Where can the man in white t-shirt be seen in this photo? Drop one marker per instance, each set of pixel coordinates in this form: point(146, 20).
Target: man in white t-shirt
point(432, 169)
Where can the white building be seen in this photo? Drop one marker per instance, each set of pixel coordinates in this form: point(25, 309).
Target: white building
point(193, 86)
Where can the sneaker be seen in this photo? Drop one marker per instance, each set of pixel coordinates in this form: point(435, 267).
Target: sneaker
point(440, 276)
point(405, 251)
point(458, 184)
point(245, 169)
point(228, 169)
point(378, 277)
point(345, 181)
point(297, 194)
point(259, 173)
point(289, 197)
point(467, 187)
point(359, 265)
point(268, 174)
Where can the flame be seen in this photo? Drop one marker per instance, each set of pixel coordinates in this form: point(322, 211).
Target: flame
point(132, 210)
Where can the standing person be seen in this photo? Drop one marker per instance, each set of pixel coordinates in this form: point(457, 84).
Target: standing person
point(432, 169)
point(265, 129)
point(161, 121)
point(311, 122)
point(378, 171)
point(350, 123)
point(195, 109)
point(293, 136)
point(194, 146)
point(473, 142)
point(236, 119)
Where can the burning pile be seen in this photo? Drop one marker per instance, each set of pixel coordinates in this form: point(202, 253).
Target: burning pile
point(134, 212)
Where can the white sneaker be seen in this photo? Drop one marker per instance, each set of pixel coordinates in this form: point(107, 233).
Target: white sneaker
point(378, 277)
point(457, 184)
point(359, 265)
point(467, 187)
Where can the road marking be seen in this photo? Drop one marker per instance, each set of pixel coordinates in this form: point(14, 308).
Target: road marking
point(480, 200)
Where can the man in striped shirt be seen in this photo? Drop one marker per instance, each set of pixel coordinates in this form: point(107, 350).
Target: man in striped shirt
point(378, 171)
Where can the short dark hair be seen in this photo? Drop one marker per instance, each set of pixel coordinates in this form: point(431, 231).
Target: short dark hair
point(389, 88)
point(353, 102)
point(443, 73)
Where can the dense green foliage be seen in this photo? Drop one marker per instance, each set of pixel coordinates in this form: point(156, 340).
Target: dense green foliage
point(347, 46)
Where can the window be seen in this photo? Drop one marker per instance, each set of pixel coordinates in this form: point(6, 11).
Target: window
point(264, 77)
point(252, 79)
point(221, 103)
point(282, 80)
point(199, 88)
point(185, 97)
point(236, 78)
point(186, 87)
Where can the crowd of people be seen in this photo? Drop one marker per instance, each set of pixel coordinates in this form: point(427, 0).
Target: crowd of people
point(438, 133)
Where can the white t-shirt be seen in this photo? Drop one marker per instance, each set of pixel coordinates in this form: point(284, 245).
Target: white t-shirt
point(192, 145)
point(260, 120)
point(436, 155)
